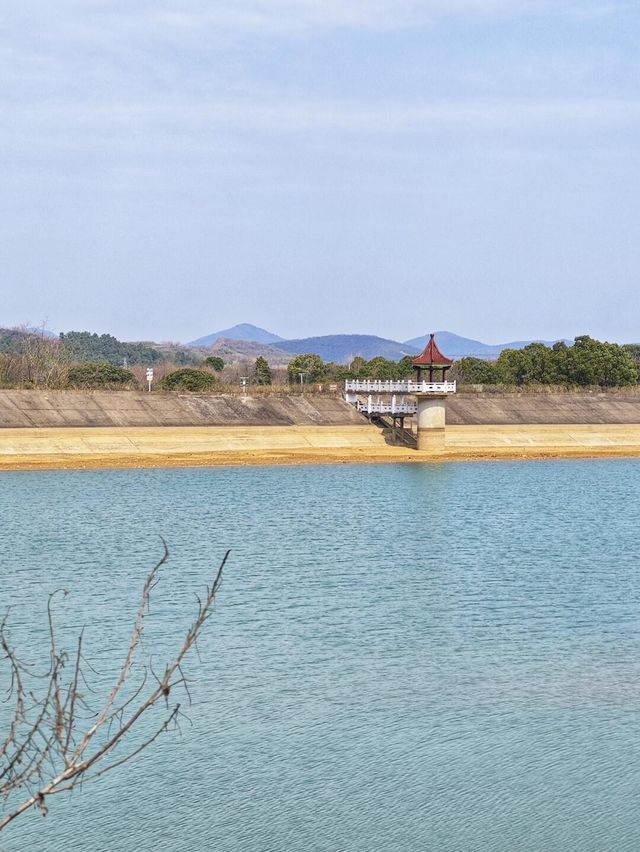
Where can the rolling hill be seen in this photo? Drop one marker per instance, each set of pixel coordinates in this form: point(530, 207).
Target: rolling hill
point(343, 347)
point(460, 347)
point(239, 351)
point(244, 331)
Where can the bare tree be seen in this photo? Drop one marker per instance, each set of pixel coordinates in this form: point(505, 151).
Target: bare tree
point(44, 361)
point(33, 359)
point(55, 741)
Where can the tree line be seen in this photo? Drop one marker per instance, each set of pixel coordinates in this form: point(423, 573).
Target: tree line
point(310, 369)
point(32, 360)
point(587, 363)
point(29, 360)
point(87, 347)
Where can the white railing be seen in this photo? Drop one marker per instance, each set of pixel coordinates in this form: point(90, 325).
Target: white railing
point(401, 386)
point(386, 407)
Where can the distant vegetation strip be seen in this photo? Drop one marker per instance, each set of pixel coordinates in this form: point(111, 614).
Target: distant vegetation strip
point(83, 346)
point(246, 341)
point(587, 363)
point(85, 360)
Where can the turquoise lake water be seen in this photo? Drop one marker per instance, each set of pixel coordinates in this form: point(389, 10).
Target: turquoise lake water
point(403, 658)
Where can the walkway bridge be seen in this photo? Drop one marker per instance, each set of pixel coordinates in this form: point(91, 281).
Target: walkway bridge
point(382, 396)
point(389, 402)
point(406, 409)
point(399, 386)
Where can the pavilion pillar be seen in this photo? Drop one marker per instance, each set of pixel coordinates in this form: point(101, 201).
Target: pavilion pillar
point(430, 420)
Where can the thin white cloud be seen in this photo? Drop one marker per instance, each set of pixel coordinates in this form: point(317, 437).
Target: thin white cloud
point(390, 118)
point(103, 72)
point(292, 15)
point(198, 119)
point(272, 16)
point(74, 43)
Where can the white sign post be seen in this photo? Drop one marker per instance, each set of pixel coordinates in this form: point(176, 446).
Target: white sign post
point(244, 381)
point(149, 377)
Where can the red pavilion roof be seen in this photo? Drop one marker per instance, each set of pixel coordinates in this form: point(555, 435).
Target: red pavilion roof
point(432, 356)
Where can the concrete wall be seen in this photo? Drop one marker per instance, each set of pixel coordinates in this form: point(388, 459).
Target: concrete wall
point(467, 409)
point(31, 408)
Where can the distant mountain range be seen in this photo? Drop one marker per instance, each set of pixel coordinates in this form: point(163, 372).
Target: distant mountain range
point(342, 348)
point(245, 341)
point(461, 347)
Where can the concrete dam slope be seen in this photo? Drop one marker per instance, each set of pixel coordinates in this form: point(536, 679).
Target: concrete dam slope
point(101, 429)
point(512, 409)
point(20, 409)
point(47, 409)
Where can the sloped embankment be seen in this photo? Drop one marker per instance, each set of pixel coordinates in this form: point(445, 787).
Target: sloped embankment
point(120, 429)
point(46, 409)
point(512, 409)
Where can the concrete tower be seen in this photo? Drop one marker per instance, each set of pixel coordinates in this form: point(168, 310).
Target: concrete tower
point(431, 396)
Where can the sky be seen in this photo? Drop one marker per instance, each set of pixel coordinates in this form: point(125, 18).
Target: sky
point(390, 167)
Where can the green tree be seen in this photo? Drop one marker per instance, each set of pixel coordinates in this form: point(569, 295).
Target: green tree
point(476, 371)
point(215, 362)
point(100, 376)
point(587, 363)
point(591, 362)
point(634, 350)
point(85, 347)
point(380, 368)
point(512, 367)
point(310, 365)
point(354, 368)
point(190, 380)
point(534, 364)
point(262, 371)
point(541, 365)
point(405, 367)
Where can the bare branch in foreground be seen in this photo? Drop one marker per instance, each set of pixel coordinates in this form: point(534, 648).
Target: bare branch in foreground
point(45, 749)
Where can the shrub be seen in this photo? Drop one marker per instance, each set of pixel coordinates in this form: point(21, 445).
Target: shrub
point(215, 363)
point(100, 376)
point(188, 379)
point(310, 365)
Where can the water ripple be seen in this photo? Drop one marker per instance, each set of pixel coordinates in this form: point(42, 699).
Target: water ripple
point(403, 658)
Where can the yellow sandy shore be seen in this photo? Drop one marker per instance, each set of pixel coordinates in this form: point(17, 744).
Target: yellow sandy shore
point(28, 449)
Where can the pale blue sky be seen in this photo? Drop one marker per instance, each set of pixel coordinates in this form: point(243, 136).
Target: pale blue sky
point(314, 166)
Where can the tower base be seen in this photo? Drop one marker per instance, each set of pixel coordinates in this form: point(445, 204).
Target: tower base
point(431, 440)
point(430, 417)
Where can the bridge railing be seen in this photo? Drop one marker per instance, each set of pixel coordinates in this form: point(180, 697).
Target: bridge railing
point(400, 386)
point(386, 407)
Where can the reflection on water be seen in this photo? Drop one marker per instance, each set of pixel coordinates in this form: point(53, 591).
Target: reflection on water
point(403, 658)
